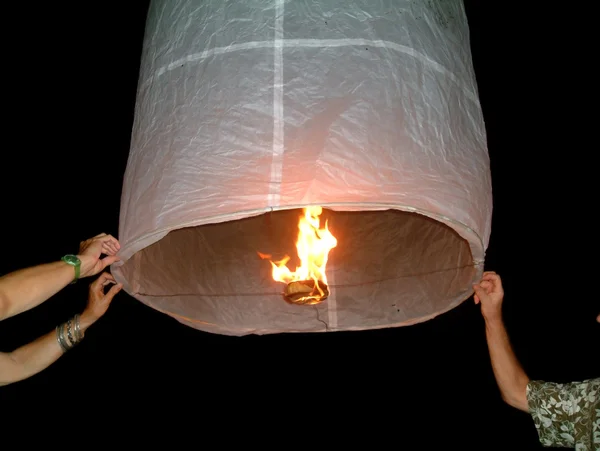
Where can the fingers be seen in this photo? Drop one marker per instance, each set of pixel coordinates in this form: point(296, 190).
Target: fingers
point(109, 244)
point(487, 286)
point(109, 282)
point(491, 282)
point(104, 279)
point(484, 287)
point(109, 248)
point(491, 276)
point(113, 291)
point(479, 292)
point(104, 238)
point(100, 244)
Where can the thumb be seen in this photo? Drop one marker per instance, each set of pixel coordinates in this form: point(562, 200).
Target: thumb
point(113, 291)
point(479, 293)
point(109, 260)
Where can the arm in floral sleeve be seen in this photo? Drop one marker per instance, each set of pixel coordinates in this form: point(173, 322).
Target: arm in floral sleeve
point(566, 415)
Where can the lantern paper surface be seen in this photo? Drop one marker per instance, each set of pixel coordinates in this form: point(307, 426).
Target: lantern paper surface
point(248, 111)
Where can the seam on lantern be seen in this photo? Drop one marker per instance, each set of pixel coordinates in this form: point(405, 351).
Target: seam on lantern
point(457, 301)
point(278, 149)
point(309, 43)
point(312, 43)
point(332, 303)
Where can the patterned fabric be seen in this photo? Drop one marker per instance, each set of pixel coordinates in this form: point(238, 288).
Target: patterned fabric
point(566, 415)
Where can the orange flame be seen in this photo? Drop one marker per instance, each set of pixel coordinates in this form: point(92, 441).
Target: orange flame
point(313, 246)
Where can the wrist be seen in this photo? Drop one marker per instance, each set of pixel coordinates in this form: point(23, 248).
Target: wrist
point(87, 264)
point(70, 333)
point(493, 319)
point(87, 319)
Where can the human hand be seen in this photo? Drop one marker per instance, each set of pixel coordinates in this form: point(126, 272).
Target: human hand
point(489, 293)
point(91, 250)
point(98, 300)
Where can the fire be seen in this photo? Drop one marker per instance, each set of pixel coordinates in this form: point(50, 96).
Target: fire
point(313, 246)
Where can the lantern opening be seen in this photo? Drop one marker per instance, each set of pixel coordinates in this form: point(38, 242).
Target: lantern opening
point(389, 268)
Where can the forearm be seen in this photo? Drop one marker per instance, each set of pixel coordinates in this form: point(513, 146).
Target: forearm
point(27, 288)
point(509, 373)
point(34, 357)
point(29, 359)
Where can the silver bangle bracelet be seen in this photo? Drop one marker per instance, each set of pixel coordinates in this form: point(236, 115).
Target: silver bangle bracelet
point(70, 338)
point(78, 332)
point(73, 334)
point(61, 339)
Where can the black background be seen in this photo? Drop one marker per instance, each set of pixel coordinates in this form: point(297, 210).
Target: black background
point(70, 77)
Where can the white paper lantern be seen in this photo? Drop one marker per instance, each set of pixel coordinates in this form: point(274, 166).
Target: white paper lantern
point(249, 111)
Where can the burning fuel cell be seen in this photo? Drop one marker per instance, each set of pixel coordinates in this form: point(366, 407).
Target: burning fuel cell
point(307, 285)
point(306, 292)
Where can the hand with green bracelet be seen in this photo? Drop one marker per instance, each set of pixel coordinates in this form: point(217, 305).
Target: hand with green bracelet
point(91, 251)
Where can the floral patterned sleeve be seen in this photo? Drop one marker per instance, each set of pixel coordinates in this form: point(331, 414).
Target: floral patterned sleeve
point(566, 415)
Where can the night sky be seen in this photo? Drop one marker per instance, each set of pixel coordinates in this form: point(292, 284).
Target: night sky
point(69, 93)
